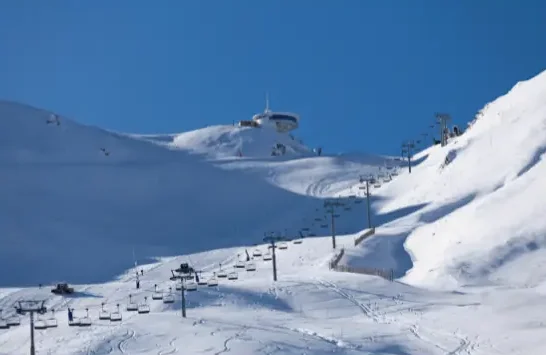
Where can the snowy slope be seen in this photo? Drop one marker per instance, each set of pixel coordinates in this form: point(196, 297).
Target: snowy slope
point(230, 141)
point(87, 206)
point(470, 232)
point(478, 219)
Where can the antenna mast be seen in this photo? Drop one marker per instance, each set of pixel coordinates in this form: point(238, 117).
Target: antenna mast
point(267, 102)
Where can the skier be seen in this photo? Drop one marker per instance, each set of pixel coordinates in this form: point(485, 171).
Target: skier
point(70, 315)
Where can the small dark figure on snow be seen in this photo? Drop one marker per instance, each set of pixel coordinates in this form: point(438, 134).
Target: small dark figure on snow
point(196, 278)
point(70, 315)
point(142, 272)
point(137, 284)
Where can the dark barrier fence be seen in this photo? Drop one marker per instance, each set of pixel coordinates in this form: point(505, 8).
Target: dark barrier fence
point(384, 273)
point(365, 235)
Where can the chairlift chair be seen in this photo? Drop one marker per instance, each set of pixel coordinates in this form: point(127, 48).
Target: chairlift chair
point(377, 185)
point(169, 298)
point(157, 296)
point(312, 234)
point(239, 264)
point(40, 324)
point(144, 308)
point(250, 266)
point(190, 286)
point(51, 322)
point(323, 226)
point(283, 246)
point(4, 324)
point(297, 241)
point(212, 282)
point(116, 315)
point(131, 306)
point(85, 321)
point(257, 253)
point(13, 321)
point(232, 276)
point(267, 257)
point(104, 315)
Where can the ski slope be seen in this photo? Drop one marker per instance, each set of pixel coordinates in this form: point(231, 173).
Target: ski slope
point(464, 239)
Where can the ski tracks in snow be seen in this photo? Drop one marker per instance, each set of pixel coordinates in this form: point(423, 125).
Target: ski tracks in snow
point(465, 345)
point(172, 350)
point(130, 334)
point(229, 339)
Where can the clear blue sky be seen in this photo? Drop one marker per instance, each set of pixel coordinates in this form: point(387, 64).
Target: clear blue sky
point(363, 74)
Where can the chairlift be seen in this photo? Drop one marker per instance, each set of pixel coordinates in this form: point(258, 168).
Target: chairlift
point(257, 253)
point(13, 321)
point(131, 306)
point(283, 246)
point(239, 264)
point(232, 276)
point(394, 173)
point(103, 314)
point(40, 324)
point(85, 321)
point(169, 298)
point(190, 286)
point(4, 324)
point(250, 266)
point(212, 282)
point(144, 308)
point(267, 257)
point(377, 185)
point(312, 235)
point(297, 241)
point(116, 315)
point(157, 295)
point(352, 196)
point(51, 322)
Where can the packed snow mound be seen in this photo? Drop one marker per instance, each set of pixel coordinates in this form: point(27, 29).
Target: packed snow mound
point(477, 216)
point(226, 141)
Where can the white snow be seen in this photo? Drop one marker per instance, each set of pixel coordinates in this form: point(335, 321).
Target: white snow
point(465, 239)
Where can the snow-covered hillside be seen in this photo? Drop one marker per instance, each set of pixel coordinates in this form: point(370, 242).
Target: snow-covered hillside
point(229, 141)
point(464, 236)
point(95, 195)
point(479, 218)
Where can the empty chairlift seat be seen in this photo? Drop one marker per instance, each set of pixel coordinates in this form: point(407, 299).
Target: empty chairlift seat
point(116, 315)
point(250, 266)
point(144, 307)
point(104, 314)
point(239, 264)
point(283, 245)
point(13, 321)
point(297, 241)
point(3, 324)
point(157, 296)
point(85, 321)
point(40, 324)
point(169, 298)
point(221, 274)
point(191, 286)
point(257, 253)
point(232, 276)
point(212, 282)
point(267, 256)
point(51, 322)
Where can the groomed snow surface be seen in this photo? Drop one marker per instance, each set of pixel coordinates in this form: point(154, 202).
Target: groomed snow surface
point(465, 239)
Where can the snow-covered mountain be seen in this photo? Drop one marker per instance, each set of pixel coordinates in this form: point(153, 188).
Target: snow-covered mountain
point(464, 236)
point(95, 195)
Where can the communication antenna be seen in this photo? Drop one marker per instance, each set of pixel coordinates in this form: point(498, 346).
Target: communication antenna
point(267, 110)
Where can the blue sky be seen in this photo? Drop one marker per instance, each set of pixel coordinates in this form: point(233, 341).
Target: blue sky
point(363, 74)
